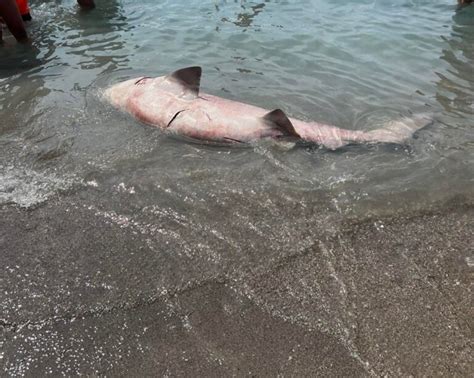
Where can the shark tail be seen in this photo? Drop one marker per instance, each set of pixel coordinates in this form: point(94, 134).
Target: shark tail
point(399, 131)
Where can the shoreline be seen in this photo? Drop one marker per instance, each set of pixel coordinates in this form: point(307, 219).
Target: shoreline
point(380, 296)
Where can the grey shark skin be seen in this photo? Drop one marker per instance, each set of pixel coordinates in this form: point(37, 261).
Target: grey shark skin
point(174, 103)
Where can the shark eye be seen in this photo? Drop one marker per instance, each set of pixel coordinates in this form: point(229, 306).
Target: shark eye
point(141, 81)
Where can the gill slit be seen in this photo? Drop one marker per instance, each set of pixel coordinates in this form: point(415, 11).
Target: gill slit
point(174, 117)
point(138, 82)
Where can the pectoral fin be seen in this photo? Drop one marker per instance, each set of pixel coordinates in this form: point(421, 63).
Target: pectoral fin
point(278, 119)
point(189, 78)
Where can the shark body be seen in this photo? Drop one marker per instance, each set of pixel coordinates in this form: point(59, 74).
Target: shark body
point(174, 103)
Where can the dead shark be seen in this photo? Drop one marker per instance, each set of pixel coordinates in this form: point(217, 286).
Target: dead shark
point(174, 103)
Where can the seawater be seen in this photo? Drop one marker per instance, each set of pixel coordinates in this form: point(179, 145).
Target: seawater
point(354, 64)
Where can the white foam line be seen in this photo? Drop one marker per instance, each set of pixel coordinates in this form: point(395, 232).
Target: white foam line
point(125, 222)
point(27, 188)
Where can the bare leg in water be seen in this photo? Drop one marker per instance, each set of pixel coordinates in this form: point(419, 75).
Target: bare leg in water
point(86, 4)
point(12, 18)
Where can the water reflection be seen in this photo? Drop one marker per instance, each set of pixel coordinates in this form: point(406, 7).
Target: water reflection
point(246, 18)
point(18, 101)
point(96, 37)
point(43, 86)
point(16, 58)
point(456, 86)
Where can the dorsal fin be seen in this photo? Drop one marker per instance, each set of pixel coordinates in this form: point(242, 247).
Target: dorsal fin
point(278, 118)
point(189, 77)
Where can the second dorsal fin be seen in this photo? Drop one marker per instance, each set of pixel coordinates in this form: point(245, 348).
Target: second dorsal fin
point(278, 118)
point(189, 78)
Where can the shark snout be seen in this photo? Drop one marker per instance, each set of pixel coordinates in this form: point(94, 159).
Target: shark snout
point(118, 94)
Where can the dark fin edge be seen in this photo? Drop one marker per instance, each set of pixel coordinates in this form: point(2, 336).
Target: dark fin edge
point(189, 77)
point(278, 118)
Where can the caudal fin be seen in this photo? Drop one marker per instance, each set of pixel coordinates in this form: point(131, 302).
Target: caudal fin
point(401, 130)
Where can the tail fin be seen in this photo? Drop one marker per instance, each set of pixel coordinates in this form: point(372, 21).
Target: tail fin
point(401, 130)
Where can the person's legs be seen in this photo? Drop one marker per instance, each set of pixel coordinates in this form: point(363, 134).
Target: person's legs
point(24, 9)
point(88, 4)
point(12, 18)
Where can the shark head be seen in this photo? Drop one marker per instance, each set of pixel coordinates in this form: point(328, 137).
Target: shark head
point(183, 83)
point(118, 94)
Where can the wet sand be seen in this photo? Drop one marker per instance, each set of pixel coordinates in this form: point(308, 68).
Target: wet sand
point(386, 296)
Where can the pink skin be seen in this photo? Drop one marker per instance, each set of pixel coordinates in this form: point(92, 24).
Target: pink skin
point(163, 102)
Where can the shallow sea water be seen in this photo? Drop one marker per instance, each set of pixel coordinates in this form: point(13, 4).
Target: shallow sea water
point(354, 64)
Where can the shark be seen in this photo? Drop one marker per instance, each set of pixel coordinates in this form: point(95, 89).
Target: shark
point(175, 103)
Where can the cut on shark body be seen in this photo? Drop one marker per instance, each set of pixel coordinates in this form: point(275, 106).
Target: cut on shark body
point(174, 102)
